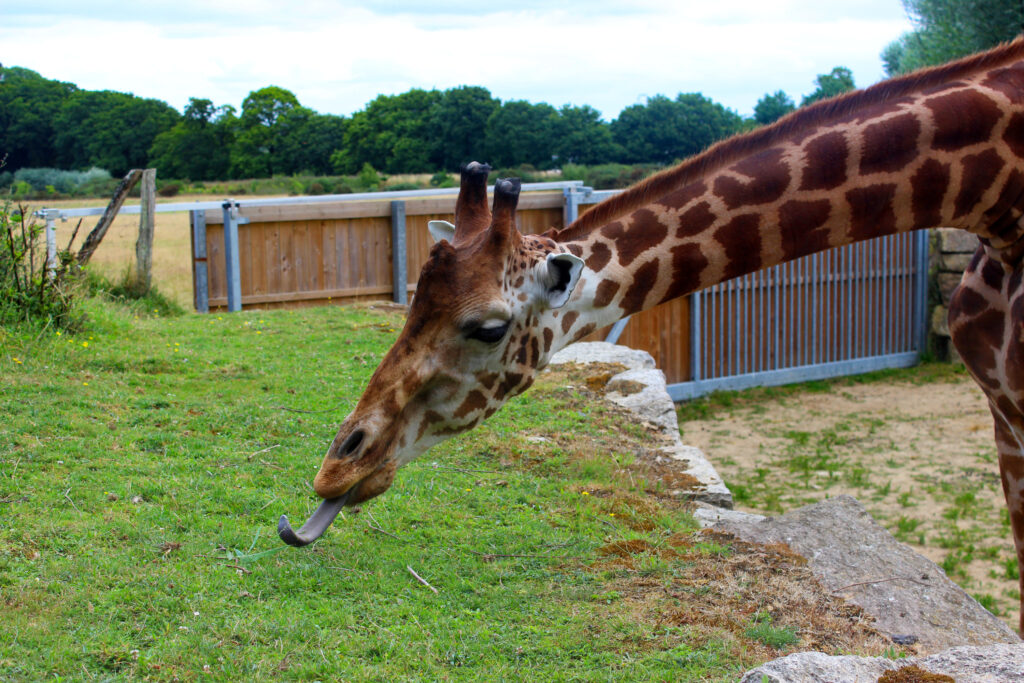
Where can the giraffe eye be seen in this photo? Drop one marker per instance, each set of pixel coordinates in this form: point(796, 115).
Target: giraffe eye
point(490, 332)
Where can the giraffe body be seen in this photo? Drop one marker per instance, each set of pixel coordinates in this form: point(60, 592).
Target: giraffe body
point(944, 147)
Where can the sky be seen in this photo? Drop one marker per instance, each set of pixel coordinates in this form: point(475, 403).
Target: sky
point(337, 56)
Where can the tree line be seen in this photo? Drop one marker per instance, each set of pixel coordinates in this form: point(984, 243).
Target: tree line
point(49, 123)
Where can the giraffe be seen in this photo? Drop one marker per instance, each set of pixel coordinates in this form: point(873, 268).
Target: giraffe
point(941, 147)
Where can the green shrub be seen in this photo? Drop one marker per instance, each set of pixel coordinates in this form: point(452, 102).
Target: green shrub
point(28, 291)
point(169, 189)
point(128, 291)
point(54, 180)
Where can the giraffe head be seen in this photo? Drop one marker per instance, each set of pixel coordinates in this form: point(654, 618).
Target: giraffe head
point(483, 321)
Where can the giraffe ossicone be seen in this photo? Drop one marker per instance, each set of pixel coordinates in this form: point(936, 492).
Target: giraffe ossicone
point(941, 147)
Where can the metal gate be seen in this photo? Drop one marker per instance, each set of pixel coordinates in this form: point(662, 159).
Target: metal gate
point(848, 310)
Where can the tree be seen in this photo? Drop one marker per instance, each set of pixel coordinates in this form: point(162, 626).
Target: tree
point(459, 120)
point(520, 132)
point(28, 105)
point(395, 133)
point(836, 82)
point(581, 137)
point(255, 150)
point(772, 107)
point(948, 29)
point(108, 129)
point(199, 145)
point(664, 130)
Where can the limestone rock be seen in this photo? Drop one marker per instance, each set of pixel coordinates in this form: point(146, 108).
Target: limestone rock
point(955, 240)
point(856, 558)
point(940, 321)
point(642, 390)
point(947, 282)
point(954, 263)
point(989, 664)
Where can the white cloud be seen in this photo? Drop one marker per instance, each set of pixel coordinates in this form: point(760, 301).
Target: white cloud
point(336, 56)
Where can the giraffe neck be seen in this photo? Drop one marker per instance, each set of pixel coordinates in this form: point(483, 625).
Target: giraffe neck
point(943, 148)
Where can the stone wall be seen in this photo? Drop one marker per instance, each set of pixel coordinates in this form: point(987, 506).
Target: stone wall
point(951, 251)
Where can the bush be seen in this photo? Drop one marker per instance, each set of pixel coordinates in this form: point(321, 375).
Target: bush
point(128, 291)
point(169, 189)
point(50, 180)
point(28, 292)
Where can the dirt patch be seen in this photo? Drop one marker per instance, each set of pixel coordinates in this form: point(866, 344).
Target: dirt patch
point(919, 456)
point(739, 594)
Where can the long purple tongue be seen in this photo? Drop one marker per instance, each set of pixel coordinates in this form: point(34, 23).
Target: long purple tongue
point(316, 525)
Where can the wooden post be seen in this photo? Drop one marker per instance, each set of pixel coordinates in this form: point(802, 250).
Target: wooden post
point(144, 245)
point(94, 238)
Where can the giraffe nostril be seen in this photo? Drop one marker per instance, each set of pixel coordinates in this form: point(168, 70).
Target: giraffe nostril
point(350, 446)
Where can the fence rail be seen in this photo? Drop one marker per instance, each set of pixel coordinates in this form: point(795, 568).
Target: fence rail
point(848, 310)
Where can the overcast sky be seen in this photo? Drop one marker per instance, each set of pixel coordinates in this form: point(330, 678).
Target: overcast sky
point(337, 56)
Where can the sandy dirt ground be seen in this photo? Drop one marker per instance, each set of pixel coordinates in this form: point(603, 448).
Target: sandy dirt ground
point(920, 457)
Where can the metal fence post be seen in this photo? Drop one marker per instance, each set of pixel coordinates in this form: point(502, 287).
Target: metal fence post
point(921, 291)
point(232, 266)
point(570, 206)
point(696, 335)
point(200, 270)
point(400, 276)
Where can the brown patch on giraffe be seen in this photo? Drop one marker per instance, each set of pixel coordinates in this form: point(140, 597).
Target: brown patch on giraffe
point(688, 263)
point(769, 177)
point(871, 211)
point(799, 224)
point(929, 185)
point(599, 257)
point(643, 281)
point(568, 321)
point(582, 332)
point(524, 351)
point(943, 87)
point(487, 379)
point(575, 249)
point(1004, 215)
point(683, 196)
point(825, 165)
point(979, 172)
point(992, 274)
point(475, 402)
point(534, 352)
point(509, 383)
point(968, 302)
point(696, 220)
point(1009, 81)
point(429, 418)
point(549, 337)
point(741, 238)
point(962, 119)
point(1014, 135)
point(890, 145)
point(645, 231)
point(605, 292)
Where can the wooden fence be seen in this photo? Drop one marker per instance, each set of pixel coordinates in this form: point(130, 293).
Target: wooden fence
point(841, 312)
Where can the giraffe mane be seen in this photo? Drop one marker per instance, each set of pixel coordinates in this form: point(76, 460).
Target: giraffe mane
point(817, 114)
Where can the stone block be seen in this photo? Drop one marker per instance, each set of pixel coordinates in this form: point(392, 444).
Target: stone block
point(954, 263)
point(856, 558)
point(956, 240)
point(940, 321)
point(947, 282)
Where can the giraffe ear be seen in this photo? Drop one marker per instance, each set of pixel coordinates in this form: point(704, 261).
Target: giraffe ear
point(563, 274)
point(441, 230)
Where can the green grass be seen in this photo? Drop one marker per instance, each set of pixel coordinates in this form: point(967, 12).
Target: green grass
point(145, 461)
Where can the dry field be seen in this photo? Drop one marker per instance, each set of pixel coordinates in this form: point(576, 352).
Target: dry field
point(172, 251)
point(916, 449)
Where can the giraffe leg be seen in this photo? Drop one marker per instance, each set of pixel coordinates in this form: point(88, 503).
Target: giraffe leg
point(1011, 470)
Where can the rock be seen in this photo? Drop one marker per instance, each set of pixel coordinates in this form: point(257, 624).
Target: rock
point(954, 263)
point(956, 240)
point(856, 558)
point(947, 282)
point(642, 390)
point(710, 515)
point(940, 321)
point(988, 664)
point(601, 352)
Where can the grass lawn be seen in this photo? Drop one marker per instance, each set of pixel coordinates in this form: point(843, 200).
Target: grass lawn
point(144, 463)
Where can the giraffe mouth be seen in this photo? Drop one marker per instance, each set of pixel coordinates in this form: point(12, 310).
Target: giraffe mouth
point(317, 523)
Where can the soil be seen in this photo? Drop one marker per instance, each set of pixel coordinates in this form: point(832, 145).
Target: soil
point(920, 457)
